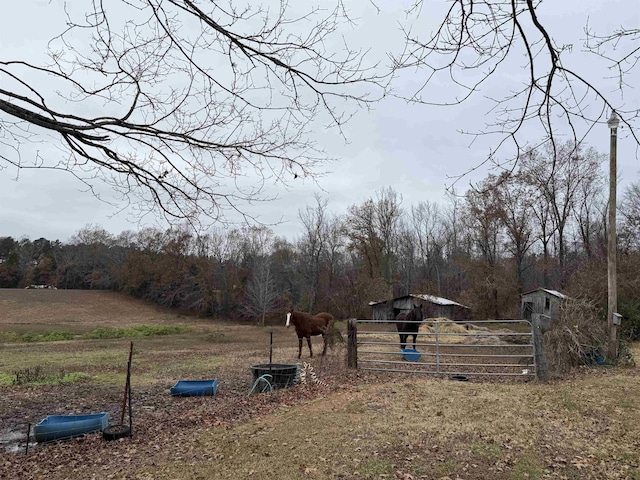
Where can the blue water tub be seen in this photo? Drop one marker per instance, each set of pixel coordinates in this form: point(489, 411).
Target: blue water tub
point(194, 388)
point(58, 427)
point(410, 354)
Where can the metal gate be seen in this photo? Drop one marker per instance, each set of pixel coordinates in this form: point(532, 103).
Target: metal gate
point(482, 348)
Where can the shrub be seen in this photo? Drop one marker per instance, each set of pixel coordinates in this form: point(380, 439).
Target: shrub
point(30, 337)
point(39, 376)
point(136, 331)
point(578, 335)
point(9, 337)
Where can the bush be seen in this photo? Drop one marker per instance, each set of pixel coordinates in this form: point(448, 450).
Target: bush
point(50, 336)
point(136, 331)
point(577, 336)
point(9, 337)
point(39, 376)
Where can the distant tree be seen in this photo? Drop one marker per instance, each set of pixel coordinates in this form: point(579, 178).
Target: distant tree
point(364, 238)
point(7, 246)
point(629, 235)
point(312, 245)
point(561, 174)
point(261, 296)
point(515, 203)
point(428, 227)
point(483, 218)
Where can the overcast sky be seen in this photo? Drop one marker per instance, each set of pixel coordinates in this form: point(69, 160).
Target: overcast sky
point(416, 150)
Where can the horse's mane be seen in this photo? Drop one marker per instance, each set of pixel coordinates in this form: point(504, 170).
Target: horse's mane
point(412, 316)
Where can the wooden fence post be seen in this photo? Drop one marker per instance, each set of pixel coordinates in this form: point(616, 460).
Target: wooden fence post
point(538, 328)
point(352, 343)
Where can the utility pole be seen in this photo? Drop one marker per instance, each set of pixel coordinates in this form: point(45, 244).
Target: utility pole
point(612, 314)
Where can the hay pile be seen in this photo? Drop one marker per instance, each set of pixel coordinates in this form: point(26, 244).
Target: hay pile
point(481, 335)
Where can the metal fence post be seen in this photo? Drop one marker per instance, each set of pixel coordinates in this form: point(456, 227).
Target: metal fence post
point(352, 343)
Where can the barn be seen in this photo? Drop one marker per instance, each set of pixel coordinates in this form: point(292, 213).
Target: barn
point(542, 301)
point(432, 306)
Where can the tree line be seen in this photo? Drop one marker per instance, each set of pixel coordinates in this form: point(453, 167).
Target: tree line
point(542, 225)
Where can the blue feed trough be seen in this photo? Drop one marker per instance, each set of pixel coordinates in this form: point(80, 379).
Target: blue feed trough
point(58, 427)
point(194, 388)
point(410, 354)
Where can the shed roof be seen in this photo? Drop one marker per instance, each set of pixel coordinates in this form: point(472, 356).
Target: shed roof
point(555, 293)
point(425, 297)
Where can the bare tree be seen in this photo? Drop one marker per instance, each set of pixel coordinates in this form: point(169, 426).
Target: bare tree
point(429, 231)
point(515, 202)
point(183, 106)
point(261, 296)
point(560, 175)
point(388, 212)
point(364, 238)
point(630, 212)
point(313, 244)
point(474, 42)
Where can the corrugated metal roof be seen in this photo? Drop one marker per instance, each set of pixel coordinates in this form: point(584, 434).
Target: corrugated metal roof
point(425, 297)
point(555, 293)
point(436, 300)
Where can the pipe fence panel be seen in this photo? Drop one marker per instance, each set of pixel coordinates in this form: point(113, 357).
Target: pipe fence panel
point(481, 348)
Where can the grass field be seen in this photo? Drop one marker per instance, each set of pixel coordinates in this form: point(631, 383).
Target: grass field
point(362, 425)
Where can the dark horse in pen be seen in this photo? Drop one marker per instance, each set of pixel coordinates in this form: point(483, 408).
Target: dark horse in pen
point(408, 325)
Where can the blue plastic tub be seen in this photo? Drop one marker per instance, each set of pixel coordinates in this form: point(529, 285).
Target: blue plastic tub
point(410, 354)
point(58, 427)
point(194, 388)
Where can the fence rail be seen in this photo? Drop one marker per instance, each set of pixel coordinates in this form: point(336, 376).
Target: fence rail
point(481, 348)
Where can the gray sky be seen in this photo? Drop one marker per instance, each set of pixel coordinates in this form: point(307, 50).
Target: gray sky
point(416, 150)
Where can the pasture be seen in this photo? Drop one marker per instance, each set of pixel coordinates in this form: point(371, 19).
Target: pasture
point(363, 425)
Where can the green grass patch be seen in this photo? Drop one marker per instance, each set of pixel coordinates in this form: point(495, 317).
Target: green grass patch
point(32, 337)
point(443, 468)
point(526, 469)
point(569, 403)
point(9, 337)
point(490, 451)
point(136, 331)
point(6, 379)
point(39, 376)
point(374, 467)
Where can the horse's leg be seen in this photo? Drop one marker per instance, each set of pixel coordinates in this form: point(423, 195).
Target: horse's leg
point(414, 340)
point(309, 342)
point(299, 346)
point(324, 349)
point(403, 341)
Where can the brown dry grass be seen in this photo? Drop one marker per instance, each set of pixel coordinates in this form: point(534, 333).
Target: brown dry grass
point(584, 426)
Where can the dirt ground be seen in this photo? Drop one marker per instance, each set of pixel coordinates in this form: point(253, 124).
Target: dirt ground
point(358, 425)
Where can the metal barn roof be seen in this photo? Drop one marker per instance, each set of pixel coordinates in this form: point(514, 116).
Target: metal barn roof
point(555, 293)
point(423, 296)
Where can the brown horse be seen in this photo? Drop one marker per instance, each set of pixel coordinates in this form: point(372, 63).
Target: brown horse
point(308, 325)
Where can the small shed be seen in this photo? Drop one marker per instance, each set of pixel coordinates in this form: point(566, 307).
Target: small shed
point(542, 301)
point(432, 306)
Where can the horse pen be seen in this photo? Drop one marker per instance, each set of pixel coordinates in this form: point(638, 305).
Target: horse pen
point(481, 348)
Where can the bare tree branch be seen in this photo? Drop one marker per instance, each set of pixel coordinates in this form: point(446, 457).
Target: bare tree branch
point(182, 106)
point(478, 41)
